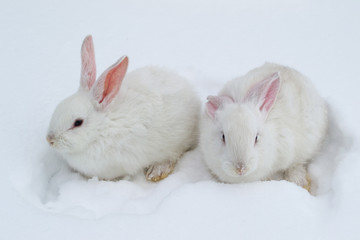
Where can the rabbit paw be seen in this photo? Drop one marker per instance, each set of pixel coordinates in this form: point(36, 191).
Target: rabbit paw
point(298, 175)
point(159, 171)
point(308, 185)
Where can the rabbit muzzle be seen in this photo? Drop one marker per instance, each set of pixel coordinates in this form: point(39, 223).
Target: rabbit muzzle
point(50, 138)
point(240, 168)
point(235, 169)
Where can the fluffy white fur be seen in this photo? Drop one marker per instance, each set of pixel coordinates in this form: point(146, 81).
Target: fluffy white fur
point(288, 137)
point(152, 119)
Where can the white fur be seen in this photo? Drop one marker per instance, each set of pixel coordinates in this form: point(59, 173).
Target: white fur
point(153, 119)
point(290, 136)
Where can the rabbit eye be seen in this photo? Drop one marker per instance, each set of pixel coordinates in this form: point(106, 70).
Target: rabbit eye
point(78, 122)
point(256, 138)
point(223, 138)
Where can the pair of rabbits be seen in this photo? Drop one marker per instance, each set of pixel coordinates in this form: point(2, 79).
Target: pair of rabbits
point(267, 122)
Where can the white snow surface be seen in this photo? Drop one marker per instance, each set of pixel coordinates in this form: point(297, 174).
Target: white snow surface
point(209, 42)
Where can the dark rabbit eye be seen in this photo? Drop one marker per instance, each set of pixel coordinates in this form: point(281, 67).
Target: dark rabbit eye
point(256, 138)
point(78, 122)
point(223, 138)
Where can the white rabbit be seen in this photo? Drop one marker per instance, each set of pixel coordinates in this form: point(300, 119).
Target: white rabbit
point(267, 122)
point(118, 126)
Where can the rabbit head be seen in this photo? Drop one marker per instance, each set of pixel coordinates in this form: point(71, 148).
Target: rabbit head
point(238, 139)
point(77, 119)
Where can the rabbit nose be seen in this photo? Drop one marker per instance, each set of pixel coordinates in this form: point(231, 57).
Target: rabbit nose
point(240, 168)
point(50, 139)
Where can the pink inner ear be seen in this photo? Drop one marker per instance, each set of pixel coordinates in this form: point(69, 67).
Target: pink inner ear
point(88, 66)
point(114, 79)
point(109, 83)
point(211, 109)
point(263, 94)
point(271, 94)
point(214, 102)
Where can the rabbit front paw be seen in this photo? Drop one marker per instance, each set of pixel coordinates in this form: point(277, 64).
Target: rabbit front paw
point(298, 175)
point(159, 171)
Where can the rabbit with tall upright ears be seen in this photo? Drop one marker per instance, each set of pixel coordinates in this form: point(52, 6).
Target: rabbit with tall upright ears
point(120, 125)
point(269, 122)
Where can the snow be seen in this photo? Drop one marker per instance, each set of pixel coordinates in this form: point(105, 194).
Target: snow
point(209, 42)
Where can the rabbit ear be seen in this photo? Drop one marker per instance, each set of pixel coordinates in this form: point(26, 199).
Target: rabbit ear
point(264, 93)
point(88, 67)
point(214, 102)
point(108, 84)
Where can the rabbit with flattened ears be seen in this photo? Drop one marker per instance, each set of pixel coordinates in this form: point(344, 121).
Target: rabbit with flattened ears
point(267, 123)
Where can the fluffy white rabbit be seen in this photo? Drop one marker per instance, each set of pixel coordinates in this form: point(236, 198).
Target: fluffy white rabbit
point(119, 125)
point(269, 122)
